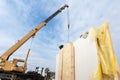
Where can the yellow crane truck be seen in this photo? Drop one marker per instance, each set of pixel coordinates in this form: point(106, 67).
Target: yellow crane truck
point(9, 70)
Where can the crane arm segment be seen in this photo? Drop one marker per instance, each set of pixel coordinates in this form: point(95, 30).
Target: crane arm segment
point(9, 52)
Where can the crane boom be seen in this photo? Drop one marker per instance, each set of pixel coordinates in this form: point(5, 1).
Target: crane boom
point(9, 52)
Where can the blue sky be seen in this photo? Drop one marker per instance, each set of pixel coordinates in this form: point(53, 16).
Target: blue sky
point(18, 17)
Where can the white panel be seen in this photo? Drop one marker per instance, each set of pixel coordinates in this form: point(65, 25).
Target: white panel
point(86, 60)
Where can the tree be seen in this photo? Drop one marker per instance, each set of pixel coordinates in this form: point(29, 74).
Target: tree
point(47, 73)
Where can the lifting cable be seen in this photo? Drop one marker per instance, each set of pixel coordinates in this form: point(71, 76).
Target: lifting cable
point(29, 49)
point(31, 42)
point(68, 23)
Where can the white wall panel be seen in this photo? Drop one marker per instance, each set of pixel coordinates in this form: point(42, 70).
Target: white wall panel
point(86, 60)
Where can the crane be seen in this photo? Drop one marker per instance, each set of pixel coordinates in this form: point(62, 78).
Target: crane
point(5, 64)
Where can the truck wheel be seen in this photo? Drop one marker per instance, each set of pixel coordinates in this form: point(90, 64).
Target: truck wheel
point(29, 79)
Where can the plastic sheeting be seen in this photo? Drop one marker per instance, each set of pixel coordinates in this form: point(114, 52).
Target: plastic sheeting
point(108, 68)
